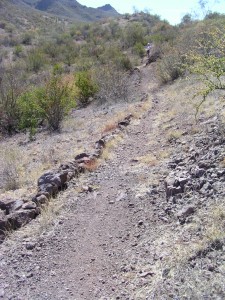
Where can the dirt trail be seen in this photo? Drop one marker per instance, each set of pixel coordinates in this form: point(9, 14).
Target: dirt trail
point(93, 250)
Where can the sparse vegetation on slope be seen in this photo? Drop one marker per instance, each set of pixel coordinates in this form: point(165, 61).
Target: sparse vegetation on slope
point(149, 217)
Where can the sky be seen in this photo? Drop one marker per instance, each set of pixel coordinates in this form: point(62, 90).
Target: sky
point(171, 10)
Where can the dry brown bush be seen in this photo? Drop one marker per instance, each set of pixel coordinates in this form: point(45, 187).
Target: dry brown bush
point(113, 85)
point(9, 169)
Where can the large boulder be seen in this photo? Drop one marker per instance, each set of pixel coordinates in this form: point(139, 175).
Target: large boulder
point(10, 205)
point(20, 218)
point(50, 177)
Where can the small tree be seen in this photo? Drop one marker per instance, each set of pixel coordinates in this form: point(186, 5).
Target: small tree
point(54, 101)
point(50, 102)
point(86, 87)
point(30, 112)
point(207, 61)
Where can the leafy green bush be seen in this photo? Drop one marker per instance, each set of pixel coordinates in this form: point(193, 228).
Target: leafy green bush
point(86, 87)
point(10, 41)
point(54, 101)
point(30, 111)
point(207, 61)
point(51, 103)
point(113, 55)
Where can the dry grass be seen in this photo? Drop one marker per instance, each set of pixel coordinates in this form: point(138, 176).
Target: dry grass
point(174, 246)
point(174, 135)
point(174, 275)
point(92, 165)
point(136, 110)
point(110, 126)
point(10, 168)
point(71, 124)
point(164, 154)
point(49, 214)
point(148, 159)
point(110, 145)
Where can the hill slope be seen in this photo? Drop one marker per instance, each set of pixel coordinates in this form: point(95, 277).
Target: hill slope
point(71, 9)
point(120, 236)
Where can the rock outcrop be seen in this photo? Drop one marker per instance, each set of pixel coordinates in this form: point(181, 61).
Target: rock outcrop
point(15, 213)
point(196, 177)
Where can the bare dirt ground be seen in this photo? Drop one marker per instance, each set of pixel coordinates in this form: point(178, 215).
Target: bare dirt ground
point(112, 236)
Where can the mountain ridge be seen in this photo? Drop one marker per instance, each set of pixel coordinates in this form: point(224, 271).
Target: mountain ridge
point(71, 9)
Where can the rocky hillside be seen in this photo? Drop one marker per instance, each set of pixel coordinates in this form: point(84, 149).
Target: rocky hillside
point(112, 160)
point(149, 215)
point(71, 9)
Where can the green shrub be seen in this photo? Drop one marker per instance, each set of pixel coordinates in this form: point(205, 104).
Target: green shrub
point(30, 111)
point(10, 41)
point(170, 67)
point(86, 87)
point(124, 62)
point(18, 50)
point(55, 101)
point(207, 62)
point(35, 60)
point(139, 49)
point(113, 55)
point(69, 53)
point(57, 69)
point(51, 49)
point(133, 33)
point(9, 27)
point(63, 39)
point(27, 39)
point(50, 102)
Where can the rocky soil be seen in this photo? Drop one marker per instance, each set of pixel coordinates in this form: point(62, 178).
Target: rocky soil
point(147, 223)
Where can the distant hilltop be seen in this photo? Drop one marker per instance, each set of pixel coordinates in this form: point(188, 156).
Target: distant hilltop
point(70, 8)
point(107, 7)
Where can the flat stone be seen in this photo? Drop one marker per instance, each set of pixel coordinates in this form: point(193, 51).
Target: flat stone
point(10, 205)
point(29, 205)
point(186, 212)
point(42, 199)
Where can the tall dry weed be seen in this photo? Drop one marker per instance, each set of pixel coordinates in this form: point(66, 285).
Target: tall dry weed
point(9, 171)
